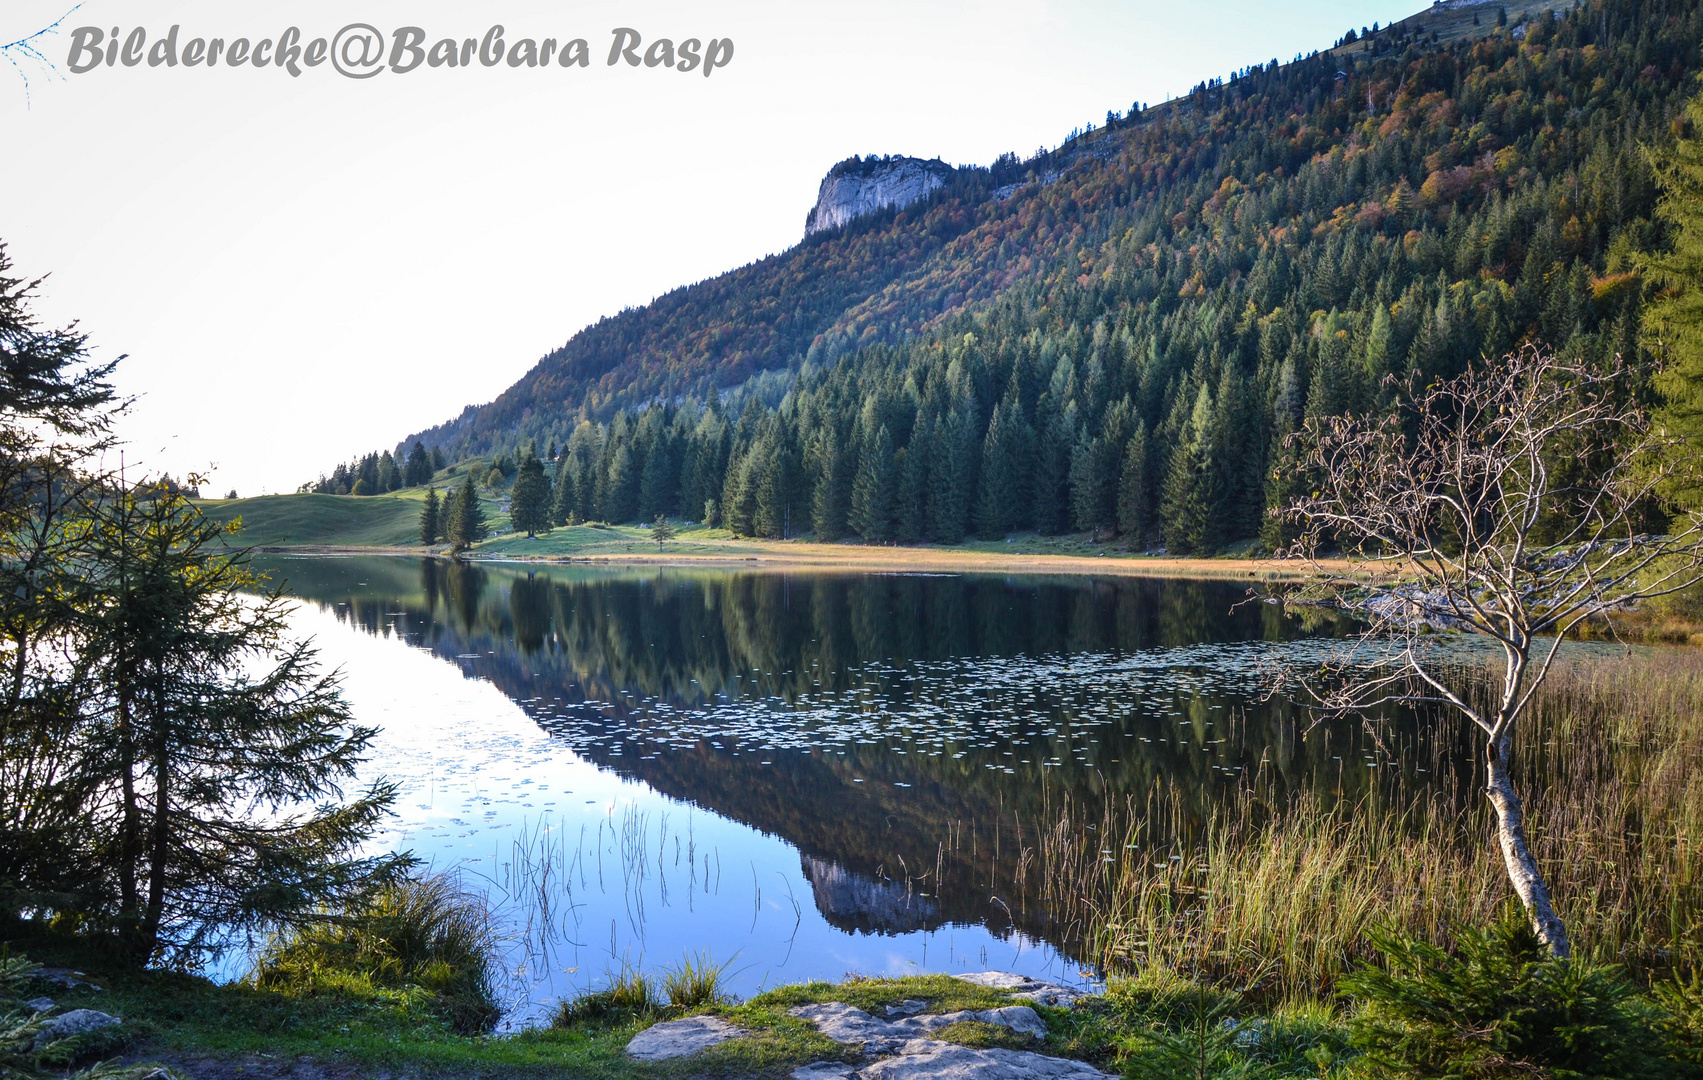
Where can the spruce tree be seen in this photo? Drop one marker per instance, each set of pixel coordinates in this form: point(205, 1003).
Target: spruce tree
point(829, 501)
point(949, 479)
point(214, 713)
point(872, 490)
point(529, 501)
point(1191, 510)
point(419, 469)
point(1135, 515)
point(430, 529)
point(468, 521)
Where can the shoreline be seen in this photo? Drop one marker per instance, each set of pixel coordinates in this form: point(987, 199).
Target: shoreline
point(827, 558)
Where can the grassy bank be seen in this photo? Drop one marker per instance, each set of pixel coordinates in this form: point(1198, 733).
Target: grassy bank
point(310, 523)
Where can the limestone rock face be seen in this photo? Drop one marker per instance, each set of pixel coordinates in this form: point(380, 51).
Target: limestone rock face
point(851, 901)
point(858, 186)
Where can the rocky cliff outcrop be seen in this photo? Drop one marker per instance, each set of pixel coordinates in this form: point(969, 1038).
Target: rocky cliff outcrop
point(858, 186)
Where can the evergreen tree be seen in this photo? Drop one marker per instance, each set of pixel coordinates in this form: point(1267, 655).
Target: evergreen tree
point(775, 478)
point(419, 469)
point(214, 711)
point(467, 522)
point(430, 528)
point(1191, 510)
point(830, 501)
point(872, 490)
point(949, 479)
point(1135, 514)
point(389, 477)
point(1003, 493)
point(529, 501)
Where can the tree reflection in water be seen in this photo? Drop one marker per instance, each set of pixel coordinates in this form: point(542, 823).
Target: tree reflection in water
point(910, 735)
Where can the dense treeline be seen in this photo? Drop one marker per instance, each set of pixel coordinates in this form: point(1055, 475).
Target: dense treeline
point(1267, 252)
point(375, 474)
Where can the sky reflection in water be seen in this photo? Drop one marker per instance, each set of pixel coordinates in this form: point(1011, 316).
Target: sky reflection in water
point(800, 775)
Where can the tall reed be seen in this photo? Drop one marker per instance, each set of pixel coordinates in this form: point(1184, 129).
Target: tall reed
point(1276, 894)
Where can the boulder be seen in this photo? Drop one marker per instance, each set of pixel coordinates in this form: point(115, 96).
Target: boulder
point(854, 1027)
point(1021, 986)
point(40, 1004)
point(926, 1059)
point(75, 1022)
point(679, 1038)
point(1019, 1018)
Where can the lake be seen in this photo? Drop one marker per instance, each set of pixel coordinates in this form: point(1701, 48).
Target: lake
point(798, 775)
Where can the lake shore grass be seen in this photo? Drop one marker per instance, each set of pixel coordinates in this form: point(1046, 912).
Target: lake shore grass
point(1280, 898)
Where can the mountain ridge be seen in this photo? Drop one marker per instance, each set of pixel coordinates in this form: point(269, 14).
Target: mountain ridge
point(831, 294)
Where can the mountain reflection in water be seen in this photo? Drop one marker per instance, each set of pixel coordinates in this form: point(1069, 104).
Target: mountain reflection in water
point(907, 735)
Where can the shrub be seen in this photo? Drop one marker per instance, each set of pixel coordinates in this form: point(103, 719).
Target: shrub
point(695, 983)
point(425, 932)
point(1499, 1006)
point(629, 995)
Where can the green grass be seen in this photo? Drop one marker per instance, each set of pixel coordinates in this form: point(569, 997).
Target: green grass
point(311, 520)
point(593, 541)
point(178, 1018)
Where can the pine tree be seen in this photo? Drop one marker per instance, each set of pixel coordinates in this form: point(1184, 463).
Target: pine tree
point(468, 521)
point(949, 480)
point(430, 529)
point(873, 489)
point(1000, 502)
point(1135, 513)
point(829, 502)
point(419, 468)
point(529, 501)
point(1191, 510)
point(213, 711)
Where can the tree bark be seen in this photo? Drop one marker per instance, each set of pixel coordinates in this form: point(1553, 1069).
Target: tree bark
point(1523, 871)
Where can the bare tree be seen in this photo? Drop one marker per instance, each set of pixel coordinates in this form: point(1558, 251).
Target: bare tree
point(1513, 502)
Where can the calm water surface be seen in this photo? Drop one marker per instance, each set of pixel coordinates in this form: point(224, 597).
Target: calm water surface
point(801, 775)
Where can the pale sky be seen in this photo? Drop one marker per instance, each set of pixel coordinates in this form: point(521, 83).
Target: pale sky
point(305, 268)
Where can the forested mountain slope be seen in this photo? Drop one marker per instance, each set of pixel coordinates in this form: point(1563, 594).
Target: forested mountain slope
point(1124, 339)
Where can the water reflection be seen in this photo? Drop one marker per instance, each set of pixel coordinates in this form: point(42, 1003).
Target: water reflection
point(907, 734)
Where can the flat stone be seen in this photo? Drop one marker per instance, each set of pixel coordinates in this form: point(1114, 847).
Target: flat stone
point(846, 1024)
point(926, 1059)
point(854, 1027)
point(906, 1008)
point(1019, 1018)
point(40, 1004)
point(824, 1070)
point(1021, 986)
point(679, 1038)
